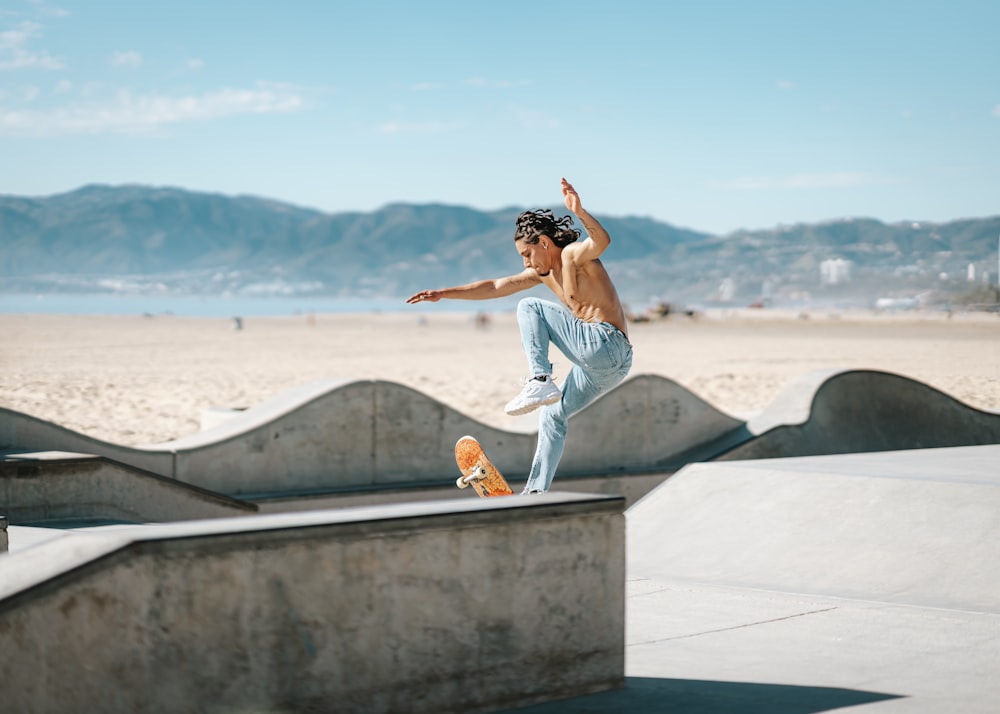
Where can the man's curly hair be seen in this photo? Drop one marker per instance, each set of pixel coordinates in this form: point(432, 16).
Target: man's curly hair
point(531, 225)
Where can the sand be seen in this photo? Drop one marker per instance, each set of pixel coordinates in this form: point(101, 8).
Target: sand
point(135, 380)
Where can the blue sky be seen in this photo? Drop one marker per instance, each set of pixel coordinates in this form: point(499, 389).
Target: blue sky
point(710, 115)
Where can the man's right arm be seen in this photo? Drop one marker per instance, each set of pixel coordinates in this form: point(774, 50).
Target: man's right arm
point(481, 289)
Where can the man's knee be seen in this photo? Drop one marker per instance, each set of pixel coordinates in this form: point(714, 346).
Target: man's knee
point(528, 305)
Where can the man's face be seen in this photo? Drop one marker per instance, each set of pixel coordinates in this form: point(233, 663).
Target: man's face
point(536, 255)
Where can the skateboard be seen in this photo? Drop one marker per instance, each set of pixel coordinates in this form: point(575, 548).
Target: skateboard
point(478, 471)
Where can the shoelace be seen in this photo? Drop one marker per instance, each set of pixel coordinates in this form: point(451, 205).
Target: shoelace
point(524, 380)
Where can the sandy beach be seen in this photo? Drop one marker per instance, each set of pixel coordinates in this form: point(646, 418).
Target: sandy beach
point(135, 380)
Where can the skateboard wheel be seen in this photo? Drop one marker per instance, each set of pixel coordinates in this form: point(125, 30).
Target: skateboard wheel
point(461, 482)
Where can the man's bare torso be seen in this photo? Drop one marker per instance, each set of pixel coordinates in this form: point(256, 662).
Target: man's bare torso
point(587, 291)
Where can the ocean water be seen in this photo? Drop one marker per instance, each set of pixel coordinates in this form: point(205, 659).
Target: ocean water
point(227, 306)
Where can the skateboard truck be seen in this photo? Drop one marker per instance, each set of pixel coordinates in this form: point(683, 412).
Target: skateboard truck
point(477, 474)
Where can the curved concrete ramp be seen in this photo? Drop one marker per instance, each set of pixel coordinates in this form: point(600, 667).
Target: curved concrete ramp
point(59, 488)
point(647, 423)
point(357, 435)
point(337, 436)
point(849, 411)
point(24, 433)
point(334, 435)
point(913, 527)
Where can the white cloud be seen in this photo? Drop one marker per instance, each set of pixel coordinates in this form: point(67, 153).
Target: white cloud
point(833, 179)
point(128, 113)
point(424, 86)
point(15, 53)
point(126, 60)
point(784, 84)
point(996, 111)
point(195, 64)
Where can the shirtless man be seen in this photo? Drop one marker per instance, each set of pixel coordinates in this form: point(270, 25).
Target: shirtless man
point(589, 327)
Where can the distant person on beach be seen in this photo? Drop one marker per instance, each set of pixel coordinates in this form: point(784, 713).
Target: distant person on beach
point(589, 327)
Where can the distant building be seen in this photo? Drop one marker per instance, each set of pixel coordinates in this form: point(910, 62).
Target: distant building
point(835, 271)
point(727, 290)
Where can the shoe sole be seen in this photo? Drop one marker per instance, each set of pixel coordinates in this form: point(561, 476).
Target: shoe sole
point(532, 407)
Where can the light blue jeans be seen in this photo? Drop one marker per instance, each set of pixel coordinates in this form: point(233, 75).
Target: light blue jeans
point(601, 355)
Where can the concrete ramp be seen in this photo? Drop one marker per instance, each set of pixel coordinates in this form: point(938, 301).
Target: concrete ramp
point(352, 436)
point(916, 527)
point(369, 436)
point(648, 423)
point(22, 433)
point(849, 411)
point(865, 580)
point(61, 489)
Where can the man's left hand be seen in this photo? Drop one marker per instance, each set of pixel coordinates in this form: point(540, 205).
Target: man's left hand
point(571, 197)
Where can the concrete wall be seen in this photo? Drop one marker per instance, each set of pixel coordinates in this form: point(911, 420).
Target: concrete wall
point(439, 607)
point(3, 535)
point(851, 411)
point(339, 435)
point(373, 434)
point(60, 487)
point(24, 433)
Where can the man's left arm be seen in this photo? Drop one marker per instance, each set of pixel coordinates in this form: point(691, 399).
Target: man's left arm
point(597, 239)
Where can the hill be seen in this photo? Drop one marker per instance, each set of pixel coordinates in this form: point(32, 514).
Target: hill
point(145, 238)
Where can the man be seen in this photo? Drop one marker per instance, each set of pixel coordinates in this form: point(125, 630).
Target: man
point(589, 327)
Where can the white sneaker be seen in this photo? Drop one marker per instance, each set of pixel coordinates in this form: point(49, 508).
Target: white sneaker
point(535, 393)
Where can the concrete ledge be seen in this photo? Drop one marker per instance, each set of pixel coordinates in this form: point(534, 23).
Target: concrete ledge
point(55, 488)
point(442, 606)
point(631, 487)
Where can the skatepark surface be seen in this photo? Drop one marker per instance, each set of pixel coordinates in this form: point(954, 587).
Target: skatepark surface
point(864, 582)
point(859, 582)
point(846, 581)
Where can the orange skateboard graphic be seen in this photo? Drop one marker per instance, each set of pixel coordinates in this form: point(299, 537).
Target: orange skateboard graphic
point(478, 471)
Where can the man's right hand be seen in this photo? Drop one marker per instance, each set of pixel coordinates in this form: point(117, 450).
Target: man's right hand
point(424, 296)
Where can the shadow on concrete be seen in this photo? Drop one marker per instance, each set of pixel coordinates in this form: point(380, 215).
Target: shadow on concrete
point(690, 696)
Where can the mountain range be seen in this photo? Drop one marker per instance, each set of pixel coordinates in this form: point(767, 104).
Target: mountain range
point(135, 238)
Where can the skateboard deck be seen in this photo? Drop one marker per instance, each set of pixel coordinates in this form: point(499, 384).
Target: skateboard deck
point(478, 471)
